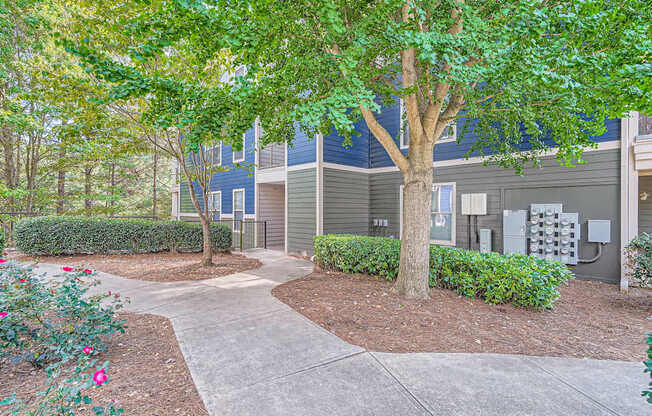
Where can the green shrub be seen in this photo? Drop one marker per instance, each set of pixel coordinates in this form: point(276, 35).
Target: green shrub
point(49, 322)
point(80, 235)
point(639, 259)
point(517, 279)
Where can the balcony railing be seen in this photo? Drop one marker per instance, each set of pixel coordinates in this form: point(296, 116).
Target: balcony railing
point(271, 156)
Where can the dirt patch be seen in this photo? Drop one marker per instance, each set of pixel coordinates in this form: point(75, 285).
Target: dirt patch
point(148, 375)
point(156, 267)
point(591, 319)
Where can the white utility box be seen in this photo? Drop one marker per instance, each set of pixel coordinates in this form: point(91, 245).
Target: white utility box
point(599, 231)
point(474, 204)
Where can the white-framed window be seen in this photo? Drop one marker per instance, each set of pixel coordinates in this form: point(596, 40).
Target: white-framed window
point(404, 136)
point(448, 135)
point(442, 213)
point(239, 156)
point(215, 205)
point(238, 209)
point(214, 154)
point(644, 126)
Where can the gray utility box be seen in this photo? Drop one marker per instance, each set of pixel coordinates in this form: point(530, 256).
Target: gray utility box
point(514, 240)
point(599, 231)
point(474, 204)
point(485, 240)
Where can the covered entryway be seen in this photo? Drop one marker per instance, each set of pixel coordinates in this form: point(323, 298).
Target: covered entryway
point(271, 210)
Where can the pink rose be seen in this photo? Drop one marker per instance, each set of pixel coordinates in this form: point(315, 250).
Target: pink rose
point(3, 260)
point(88, 271)
point(88, 350)
point(68, 268)
point(3, 314)
point(22, 280)
point(99, 377)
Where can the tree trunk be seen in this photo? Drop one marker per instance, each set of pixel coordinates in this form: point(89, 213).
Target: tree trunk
point(112, 186)
point(61, 181)
point(207, 254)
point(414, 269)
point(88, 203)
point(154, 179)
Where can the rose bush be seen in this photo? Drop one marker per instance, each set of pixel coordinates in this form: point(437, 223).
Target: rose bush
point(56, 324)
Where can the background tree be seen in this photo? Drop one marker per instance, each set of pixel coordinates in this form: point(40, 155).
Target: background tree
point(534, 75)
point(182, 104)
point(51, 119)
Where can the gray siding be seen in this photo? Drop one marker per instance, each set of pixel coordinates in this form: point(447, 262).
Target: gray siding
point(592, 189)
point(346, 202)
point(645, 207)
point(271, 208)
point(301, 218)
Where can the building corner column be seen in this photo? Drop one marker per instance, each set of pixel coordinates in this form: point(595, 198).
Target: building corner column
point(628, 193)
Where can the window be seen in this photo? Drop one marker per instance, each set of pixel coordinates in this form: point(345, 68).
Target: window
point(238, 209)
point(214, 155)
point(644, 125)
point(215, 205)
point(404, 127)
point(238, 156)
point(442, 213)
point(448, 135)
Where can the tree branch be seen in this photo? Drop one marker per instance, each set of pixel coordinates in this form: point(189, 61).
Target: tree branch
point(383, 136)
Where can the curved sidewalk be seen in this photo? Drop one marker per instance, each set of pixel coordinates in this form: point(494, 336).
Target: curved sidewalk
point(250, 354)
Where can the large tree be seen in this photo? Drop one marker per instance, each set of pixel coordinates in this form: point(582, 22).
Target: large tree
point(535, 72)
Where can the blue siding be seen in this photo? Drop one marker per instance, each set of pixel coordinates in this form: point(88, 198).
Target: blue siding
point(237, 178)
point(303, 149)
point(389, 118)
point(356, 155)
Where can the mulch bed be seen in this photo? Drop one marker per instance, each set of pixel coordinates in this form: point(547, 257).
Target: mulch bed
point(592, 320)
point(156, 267)
point(147, 374)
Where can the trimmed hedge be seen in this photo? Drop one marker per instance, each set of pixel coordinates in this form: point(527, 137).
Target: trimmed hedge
point(518, 279)
point(81, 235)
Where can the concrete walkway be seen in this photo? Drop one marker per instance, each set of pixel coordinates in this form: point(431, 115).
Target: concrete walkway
point(250, 354)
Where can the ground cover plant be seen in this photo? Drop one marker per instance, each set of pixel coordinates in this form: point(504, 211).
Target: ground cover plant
point(56, 326)
point(517, 279)
point(639, 258)
point(79, 235)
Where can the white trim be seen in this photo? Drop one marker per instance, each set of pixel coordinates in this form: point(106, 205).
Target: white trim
point(210, 195)
point(319, 183)
point(302, 166)
point(226, 216)
point(209, 150)
point(628, 191)
point(244, 147)
point(244, 210)
point(285, 190)
point(610, 145)
point(270, 175)
point(257, 127)
point(188, 214)
point(453, 240)
point(347, 168)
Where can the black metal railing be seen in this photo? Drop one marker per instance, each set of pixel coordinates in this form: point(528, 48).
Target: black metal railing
point(247, 234)
point(271, 156)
